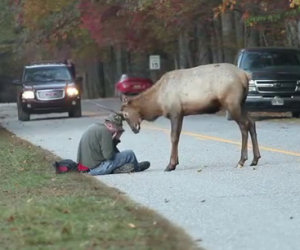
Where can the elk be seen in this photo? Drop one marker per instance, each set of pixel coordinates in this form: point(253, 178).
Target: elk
point(199, 90)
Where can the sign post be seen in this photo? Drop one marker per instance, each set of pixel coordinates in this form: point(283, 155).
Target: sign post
point(154, 62)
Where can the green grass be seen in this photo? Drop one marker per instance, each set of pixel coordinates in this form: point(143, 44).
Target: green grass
point(42, 210)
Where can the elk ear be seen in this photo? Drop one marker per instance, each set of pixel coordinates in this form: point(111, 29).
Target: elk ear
point(124, 99)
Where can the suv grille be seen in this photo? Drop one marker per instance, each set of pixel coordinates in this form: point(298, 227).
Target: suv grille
point(52, 94)
point(276, 86)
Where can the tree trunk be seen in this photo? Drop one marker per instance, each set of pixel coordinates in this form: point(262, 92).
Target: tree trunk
point(253, 38)
point(292, 33)
point(119, 62)
point(216, 41)
point(91, 85)
point(203, 55)
point(298, 33)
point(239, 29)
point(101, 87)
point(181, 50)
point(228, 34)
point(185, 58)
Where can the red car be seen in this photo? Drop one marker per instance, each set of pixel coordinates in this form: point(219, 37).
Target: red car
point(132, 85)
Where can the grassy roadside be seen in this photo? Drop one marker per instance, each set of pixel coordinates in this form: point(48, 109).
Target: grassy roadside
point(42, 210)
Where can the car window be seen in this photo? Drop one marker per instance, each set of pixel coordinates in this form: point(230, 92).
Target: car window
point(254, 60)
point(47, 74)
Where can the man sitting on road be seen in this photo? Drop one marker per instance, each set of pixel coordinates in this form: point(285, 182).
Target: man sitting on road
point(98, 149)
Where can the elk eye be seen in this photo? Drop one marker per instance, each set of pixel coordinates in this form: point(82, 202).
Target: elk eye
point(125, 114)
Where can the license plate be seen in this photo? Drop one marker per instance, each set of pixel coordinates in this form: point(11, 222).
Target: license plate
point(137, 86)
point(277, 101)
point(52, 94)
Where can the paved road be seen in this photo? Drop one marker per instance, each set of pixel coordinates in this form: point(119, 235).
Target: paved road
point(220, 206)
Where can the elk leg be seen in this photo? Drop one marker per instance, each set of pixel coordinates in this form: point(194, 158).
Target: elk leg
point(244, 151)
point(256, 154)
point(176, 125)
point(238, 114)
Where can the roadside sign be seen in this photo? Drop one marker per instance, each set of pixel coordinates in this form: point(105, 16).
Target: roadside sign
point(154, 62)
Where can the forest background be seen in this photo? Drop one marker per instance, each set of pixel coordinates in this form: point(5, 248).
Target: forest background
point(107, 38)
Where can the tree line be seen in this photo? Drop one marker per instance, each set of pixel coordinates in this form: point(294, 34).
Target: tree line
point(106, 38)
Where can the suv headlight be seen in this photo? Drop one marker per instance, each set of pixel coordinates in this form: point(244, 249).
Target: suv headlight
point(252, 87)
point(28, 94)
point(72, 91)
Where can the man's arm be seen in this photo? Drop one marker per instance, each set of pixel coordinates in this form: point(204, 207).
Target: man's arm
point(116, 139)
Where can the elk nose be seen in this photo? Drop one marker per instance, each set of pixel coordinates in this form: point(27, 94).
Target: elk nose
point(137, 127)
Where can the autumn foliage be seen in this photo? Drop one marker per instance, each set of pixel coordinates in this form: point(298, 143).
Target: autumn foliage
point(138, 25)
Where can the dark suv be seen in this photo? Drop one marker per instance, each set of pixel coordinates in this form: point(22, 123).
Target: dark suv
point(47, 88)
point(275, 84)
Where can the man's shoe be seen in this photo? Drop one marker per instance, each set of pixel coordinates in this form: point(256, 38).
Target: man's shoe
point(143, 165)
point(126, 168)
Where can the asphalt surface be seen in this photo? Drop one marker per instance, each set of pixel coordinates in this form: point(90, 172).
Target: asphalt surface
point(220, 206)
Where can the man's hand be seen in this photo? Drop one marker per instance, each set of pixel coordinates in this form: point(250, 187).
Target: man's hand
point(115, 143)
point(117, 134)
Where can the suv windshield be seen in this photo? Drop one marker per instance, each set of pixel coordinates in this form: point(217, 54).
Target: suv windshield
point(260, 60)
point(44, 74)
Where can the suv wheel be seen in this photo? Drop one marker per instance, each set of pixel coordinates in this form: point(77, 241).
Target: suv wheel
point(76, 111)
point(296, 114)
point(23, 115)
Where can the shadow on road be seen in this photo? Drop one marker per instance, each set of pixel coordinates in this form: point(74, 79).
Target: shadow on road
point(264, 116)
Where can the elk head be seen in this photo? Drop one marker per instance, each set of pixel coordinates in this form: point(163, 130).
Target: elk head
point(131, 115)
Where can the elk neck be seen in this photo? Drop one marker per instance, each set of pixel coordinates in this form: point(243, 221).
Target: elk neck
point(147, 105)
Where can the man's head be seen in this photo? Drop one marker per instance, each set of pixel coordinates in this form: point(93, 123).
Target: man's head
point(116, 121)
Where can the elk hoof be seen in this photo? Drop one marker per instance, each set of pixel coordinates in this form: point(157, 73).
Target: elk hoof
point(255, 161)
point(170, 168)
point(239, 165)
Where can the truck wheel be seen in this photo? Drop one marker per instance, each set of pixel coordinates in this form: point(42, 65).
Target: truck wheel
point(23, 115)
point(296, 114)
point(76, 112)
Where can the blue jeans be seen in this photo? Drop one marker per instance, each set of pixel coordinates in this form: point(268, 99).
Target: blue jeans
point(120, 159)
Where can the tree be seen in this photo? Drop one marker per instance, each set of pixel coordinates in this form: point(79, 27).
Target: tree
point(51, 27)
point(115, 36)
point(7, 31)
point(270, 22)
